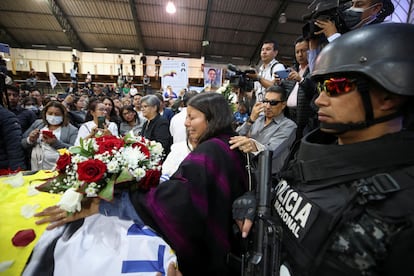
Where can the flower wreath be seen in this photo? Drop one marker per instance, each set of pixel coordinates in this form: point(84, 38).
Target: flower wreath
point(98, 165)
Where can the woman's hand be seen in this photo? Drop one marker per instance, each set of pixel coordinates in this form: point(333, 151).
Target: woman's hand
point(106, 131)
point(57, 216)
point(34, 135)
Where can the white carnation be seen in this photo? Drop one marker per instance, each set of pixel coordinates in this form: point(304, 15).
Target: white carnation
point(70, 201)
point(132, 157)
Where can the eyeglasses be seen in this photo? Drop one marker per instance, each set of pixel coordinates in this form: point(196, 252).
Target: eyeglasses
point(127, 113)
point(336, 86)
point(272, 102)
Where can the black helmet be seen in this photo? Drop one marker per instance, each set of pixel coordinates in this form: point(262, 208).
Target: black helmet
point(382, 52)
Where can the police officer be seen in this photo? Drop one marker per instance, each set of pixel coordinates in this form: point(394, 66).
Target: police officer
point(346, 201)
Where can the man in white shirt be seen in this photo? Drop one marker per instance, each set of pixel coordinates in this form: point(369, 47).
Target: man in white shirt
point(266, 72)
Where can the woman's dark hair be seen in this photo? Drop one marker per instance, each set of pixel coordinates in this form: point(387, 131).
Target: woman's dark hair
point(113, 112)
point(62, 108)
point(129, 108)
point(217, 111)
point(91, 107)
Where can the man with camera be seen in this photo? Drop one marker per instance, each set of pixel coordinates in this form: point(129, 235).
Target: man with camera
point(330, 22)
point(264, 78)
point(345, 202)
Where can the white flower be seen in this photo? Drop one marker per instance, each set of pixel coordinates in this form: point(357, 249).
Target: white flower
point(221, 89)
point(156, 148)
point(91, 190)
point(133, 156)
point(113, 166)
point(138, 173)
point(70, 201)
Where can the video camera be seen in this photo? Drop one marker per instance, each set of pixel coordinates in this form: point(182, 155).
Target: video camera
point(325, 10)
point(239, 78)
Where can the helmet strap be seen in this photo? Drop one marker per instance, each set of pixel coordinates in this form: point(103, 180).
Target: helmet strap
point(363, 88)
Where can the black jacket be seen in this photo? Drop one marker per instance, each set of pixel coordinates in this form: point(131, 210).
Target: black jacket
point(348, 209)
point(303, 115)
point(158, 129)
point(11, 151)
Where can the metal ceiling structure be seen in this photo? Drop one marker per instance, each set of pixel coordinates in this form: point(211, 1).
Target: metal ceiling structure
point(221, 31)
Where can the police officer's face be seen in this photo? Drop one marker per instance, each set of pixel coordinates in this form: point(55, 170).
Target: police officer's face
point(343, 107)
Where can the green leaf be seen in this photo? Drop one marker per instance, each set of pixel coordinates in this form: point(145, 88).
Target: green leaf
point(124, 176)
point(50, 185)
point(107, 192)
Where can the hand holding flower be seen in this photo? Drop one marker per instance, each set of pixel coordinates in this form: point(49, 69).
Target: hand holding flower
point(57, 216)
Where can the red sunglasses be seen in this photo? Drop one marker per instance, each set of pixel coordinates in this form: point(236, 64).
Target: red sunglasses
point(336, 86)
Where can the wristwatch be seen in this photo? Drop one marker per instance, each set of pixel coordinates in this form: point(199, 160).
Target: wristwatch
point(250, 121)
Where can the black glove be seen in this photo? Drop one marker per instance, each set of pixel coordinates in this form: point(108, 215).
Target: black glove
point(244, 207)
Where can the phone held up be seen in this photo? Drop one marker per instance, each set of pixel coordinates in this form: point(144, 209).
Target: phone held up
point(48, 133)
point(282, 74)
point(101, 122)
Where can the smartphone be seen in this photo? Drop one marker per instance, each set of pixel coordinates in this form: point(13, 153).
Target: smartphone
point(101, 122)
point(48, 133)
point(282, 74)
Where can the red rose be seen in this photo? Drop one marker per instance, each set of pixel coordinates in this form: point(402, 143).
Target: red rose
point(108, 143)
point(143, 148)
point(91, 170)
point(63, 161)
point(151, 179)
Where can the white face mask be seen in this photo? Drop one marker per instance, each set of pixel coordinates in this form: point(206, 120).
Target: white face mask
point(54, 120)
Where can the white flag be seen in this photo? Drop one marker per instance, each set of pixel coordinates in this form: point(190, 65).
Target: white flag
point(53, 80)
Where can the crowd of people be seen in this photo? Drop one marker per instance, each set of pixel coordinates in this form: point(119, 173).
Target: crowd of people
point(339, 127)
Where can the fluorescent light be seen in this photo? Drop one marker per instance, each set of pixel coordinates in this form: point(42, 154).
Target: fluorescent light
point(163, 53)
point(127, 50)
point(214, 56)
point(64, 47)
point(170, 8)
point(282, 18)
point(38, 46)
point(183, 54)
point(100, 49)
point(238, 58)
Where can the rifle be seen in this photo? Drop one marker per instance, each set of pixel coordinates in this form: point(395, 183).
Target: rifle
point(263, 255)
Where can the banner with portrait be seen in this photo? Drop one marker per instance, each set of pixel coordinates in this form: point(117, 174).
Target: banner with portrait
point(212, 78)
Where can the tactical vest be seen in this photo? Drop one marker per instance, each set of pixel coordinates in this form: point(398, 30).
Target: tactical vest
point(333, 184)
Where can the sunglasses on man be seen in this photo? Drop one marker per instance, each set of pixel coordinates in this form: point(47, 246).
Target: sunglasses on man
point(272, 102)
point(336, 86)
